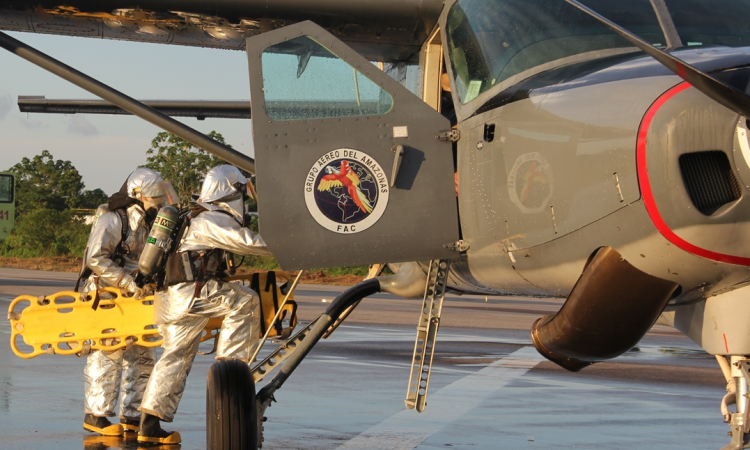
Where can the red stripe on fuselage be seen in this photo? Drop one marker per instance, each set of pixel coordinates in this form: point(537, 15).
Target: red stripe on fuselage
point(648, 195)
point(726, 344)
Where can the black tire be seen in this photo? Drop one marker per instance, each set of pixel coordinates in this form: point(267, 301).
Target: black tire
point(231, 411)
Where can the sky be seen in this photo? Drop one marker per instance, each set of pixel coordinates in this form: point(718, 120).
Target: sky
point(105, 149)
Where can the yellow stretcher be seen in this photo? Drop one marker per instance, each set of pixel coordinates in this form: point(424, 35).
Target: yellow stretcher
point(64, 324)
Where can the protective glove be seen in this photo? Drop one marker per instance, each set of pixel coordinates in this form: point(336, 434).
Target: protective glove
point(129, 285)
point(149, 289)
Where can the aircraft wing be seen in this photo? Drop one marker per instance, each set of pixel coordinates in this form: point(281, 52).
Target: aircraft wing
point(200, 109)
point(386, 30)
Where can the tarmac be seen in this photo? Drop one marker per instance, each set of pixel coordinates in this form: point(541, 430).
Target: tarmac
point(489, 387)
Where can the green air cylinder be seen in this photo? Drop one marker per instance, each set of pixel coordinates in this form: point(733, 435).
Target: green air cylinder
point(159, 240)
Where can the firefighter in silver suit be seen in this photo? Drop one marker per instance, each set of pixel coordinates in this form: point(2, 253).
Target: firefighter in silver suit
point(195, 292)
point(111, 258)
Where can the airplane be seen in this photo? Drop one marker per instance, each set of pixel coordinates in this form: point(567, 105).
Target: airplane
point(593, 150)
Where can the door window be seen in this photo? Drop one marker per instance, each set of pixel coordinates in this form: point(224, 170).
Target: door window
point(304, 80)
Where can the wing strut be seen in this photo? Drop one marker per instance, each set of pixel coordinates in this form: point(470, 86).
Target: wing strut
point(129, 104)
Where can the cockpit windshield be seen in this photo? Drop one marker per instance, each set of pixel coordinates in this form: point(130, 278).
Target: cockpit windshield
point(718, 22)
point(490, 41)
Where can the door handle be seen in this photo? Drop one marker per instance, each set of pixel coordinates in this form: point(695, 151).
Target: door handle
point(398, 151)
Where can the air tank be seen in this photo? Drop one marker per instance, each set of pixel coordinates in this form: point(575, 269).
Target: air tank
point(159, 240)
point(101, 210)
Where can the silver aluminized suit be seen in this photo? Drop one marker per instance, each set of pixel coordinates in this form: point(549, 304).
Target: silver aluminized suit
point(122, 373)
point(183, 309)
point(182, 315)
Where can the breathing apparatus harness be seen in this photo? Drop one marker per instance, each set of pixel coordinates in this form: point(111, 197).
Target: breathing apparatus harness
point(201, 266)
point(196, 266)
point(121, 250)
point(117, 203)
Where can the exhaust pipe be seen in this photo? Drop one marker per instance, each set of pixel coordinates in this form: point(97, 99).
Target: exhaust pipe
point(609, 310)
point(408, 282)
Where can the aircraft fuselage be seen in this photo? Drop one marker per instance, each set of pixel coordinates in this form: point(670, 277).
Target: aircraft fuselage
point(578, 156)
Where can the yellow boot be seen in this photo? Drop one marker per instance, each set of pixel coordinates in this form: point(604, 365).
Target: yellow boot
point(151, 431)
point(101, 425)
point(130, 425)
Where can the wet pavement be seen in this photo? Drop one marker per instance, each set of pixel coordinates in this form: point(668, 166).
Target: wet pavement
point(489, 388)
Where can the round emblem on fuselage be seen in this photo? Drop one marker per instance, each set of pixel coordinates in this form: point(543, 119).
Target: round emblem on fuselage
point(530, 182)
point(346, 191)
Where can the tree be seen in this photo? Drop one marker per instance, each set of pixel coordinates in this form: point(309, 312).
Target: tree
point(47, 232)
point(92, 199)
point(43, 182)
point(180, 162)
point(185, 165)
point(48, 191)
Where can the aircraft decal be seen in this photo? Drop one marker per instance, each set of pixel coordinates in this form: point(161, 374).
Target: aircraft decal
point(346, 191)
point(648, 195)
point(530, 183)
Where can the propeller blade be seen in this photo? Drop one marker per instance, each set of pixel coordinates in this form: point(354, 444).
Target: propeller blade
point(728, 96)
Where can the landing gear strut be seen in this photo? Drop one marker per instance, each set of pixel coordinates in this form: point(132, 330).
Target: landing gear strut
point(740, 420)
point(234, 413)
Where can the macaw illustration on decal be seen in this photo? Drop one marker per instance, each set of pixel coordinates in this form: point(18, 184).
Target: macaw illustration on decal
point(346, 191)
point(530, 182)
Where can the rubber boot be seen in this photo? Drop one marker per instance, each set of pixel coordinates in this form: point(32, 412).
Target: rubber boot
point(130, 424)
point(151, 431)
point(101, 425)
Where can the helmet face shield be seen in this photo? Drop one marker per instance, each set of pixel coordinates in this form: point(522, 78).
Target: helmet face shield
point(160, 194)
point(246, 189)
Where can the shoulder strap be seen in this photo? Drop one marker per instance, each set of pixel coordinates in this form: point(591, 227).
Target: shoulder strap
point(182, 227)
point(174, 268)
point(122, 247)
point(184, 224)
point(125, 223)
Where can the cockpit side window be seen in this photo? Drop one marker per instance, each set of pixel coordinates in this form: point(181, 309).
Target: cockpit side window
point(490, 41)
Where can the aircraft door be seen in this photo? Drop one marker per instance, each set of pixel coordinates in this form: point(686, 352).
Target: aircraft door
point(350, 169)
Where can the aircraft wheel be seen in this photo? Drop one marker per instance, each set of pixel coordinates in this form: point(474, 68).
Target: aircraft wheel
point(231, 410)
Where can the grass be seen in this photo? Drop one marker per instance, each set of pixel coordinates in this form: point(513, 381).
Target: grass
point(337, 276)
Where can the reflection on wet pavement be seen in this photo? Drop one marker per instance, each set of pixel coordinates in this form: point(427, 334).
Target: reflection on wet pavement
point(657, 352)
point(352, 386)
point(127, 442)
point(350, 391)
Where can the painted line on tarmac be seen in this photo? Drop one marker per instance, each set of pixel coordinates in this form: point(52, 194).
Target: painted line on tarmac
point(407, 429)
point(350, 333)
